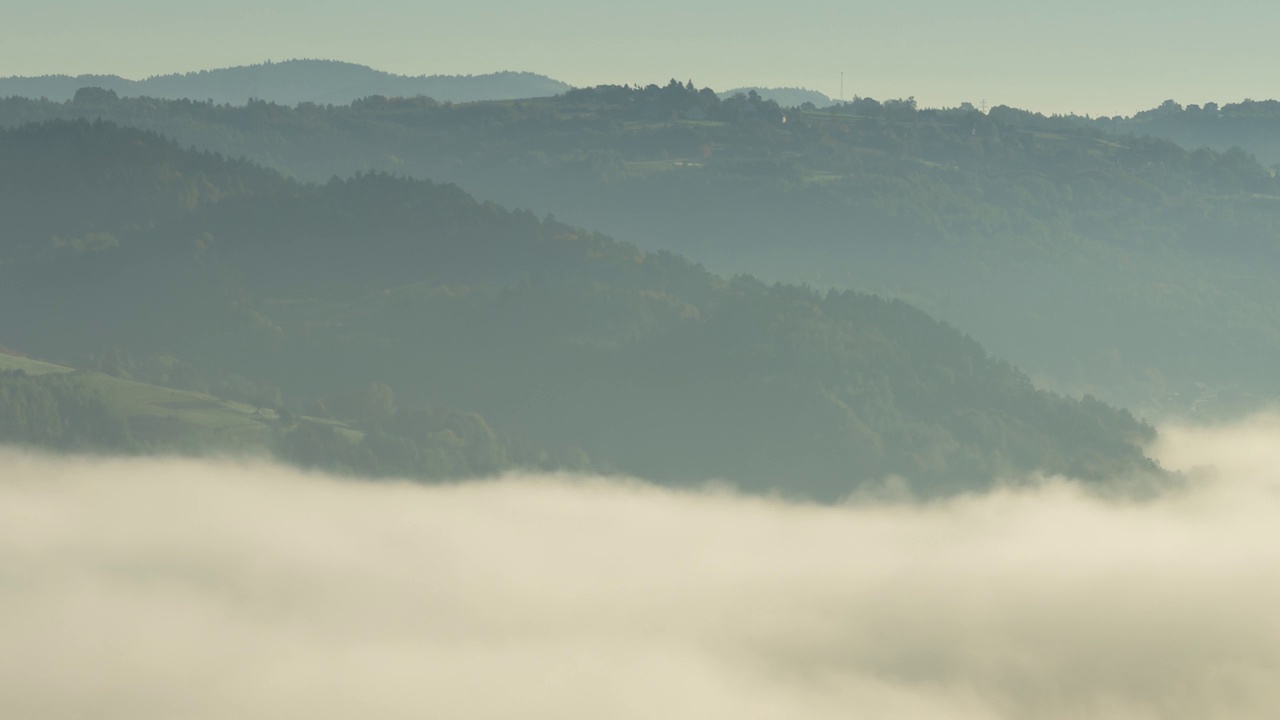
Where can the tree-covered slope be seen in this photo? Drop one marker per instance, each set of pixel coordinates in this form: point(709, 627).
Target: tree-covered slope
point(52, 407)
point(1251, 125)
point(1123, 266)
point(557, 336)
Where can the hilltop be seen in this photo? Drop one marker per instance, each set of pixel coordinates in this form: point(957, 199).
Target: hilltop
point(783, 96)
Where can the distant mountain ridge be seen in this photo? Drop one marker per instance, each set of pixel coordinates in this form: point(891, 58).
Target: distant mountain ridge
point(324, 82)
point(785, 96)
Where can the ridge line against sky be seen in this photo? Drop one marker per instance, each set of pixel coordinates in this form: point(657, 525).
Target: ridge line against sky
point(1094, 57)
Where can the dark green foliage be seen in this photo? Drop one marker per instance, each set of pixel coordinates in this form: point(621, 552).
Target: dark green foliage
point(68, 186)
point(561, 338)
point(57, 411)
point(1101, 263)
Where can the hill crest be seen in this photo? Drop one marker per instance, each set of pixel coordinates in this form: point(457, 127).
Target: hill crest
point(324, 82)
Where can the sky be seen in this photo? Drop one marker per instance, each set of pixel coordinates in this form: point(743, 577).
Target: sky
point(1087, 56)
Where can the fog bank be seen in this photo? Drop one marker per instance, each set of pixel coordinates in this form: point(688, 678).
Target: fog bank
point(177, 588)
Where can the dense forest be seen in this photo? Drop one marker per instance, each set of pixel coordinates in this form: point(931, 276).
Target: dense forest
point(323, 82)
point(56, 411)
point(1101, 263)
point(354, 314)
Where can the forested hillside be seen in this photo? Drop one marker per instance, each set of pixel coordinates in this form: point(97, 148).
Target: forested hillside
point(1251, 125)
point(1100, 263)
point(378, 301)
point(107, 407)
point(322, 82)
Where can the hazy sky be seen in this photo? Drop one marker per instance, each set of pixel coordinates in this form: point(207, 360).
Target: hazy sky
point(1097, 56)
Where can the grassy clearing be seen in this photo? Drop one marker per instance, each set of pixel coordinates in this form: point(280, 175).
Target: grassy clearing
point(33, 367)
point(175, 419)
point(164, 415)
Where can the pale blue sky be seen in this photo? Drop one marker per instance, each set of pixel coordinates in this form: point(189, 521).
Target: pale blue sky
point(1096, 56)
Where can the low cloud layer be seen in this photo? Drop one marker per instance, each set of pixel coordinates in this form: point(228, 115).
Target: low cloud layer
point(149, 589)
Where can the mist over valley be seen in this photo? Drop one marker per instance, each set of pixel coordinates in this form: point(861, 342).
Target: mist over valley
point(148, 588)
point(333, 392)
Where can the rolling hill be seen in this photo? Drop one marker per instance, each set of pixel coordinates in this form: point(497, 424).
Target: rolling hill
point(1120, 266)
point(380, 298)
point(322, 82)
point(1250, 125)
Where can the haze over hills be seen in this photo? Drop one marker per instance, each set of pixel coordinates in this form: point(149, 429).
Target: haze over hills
point(291, 82)
point(335, 390)
point(784, 96)
point(376, 300)
point(1099, 263)
point(1252, 125)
